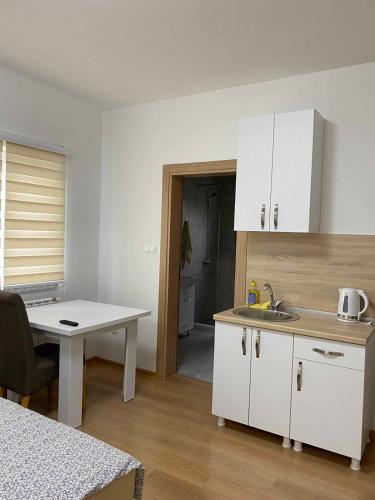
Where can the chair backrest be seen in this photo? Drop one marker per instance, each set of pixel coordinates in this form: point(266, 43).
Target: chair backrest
point(17, 358)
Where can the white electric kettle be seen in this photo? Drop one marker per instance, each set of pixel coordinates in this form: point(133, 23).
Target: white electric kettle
point(349, 308)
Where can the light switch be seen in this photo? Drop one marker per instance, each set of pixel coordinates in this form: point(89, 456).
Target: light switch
point(154, 249)
point(147, 249)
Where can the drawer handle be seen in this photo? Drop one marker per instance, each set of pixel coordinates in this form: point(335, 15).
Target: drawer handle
point(262, 215)
point(244, 342)
point(257, 344)
point(327, 353)
point(276, 216)
point(299, 376)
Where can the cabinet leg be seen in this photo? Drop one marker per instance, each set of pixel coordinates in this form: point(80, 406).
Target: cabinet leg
point(355, 464)
point(220, 422)
point(297, 446)
point(286, 443)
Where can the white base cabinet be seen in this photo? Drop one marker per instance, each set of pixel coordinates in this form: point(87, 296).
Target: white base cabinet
point(313, 391)
point(252, 377)
point(327, 407)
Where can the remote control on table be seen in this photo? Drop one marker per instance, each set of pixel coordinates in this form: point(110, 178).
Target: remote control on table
point(68, 322)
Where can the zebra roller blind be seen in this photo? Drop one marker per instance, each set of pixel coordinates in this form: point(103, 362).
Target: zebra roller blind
point(32, 215)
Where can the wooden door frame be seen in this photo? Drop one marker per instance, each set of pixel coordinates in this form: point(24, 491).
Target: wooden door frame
point(170, 256)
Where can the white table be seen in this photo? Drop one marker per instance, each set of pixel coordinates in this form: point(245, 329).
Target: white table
point(93, 318)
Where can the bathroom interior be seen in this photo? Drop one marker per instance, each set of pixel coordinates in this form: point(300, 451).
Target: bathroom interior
point(207, 266)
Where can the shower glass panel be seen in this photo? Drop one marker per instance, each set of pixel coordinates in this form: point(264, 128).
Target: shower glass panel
point(218, 270)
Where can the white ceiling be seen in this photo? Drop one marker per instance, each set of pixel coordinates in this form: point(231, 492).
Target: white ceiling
point(119, 52)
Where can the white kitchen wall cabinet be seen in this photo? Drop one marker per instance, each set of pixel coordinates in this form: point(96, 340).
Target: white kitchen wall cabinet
point(279, 172)
point(231, 380)
point(270, 388)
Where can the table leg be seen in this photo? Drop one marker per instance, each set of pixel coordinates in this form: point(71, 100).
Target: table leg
point(70, 380)
point(130, 360)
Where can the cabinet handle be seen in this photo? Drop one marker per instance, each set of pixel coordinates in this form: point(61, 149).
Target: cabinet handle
point(276, 216)
point(262, 215)
point(257, 344)
point(328, 353)
point(299, 376)
point(244, 342)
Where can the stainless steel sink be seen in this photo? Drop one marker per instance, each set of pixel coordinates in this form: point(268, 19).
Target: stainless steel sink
point(265, 315)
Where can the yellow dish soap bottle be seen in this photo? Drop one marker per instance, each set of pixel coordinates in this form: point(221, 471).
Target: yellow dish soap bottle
point(253, 294)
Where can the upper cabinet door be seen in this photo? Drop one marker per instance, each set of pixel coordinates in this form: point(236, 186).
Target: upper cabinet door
point(254, 170)
point(297, 172)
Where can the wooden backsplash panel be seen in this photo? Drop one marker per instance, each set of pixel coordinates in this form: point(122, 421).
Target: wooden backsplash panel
point(306, 270)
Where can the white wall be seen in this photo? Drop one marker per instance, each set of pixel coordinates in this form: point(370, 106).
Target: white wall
point(138, 140)
point(35, 110)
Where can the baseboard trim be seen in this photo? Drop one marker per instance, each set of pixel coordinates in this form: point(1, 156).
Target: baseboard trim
point(147, 372)
point(91, 361)
point(204, 326)
point(98, 359)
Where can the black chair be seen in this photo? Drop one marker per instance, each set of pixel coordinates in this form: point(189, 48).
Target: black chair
point(23, 368)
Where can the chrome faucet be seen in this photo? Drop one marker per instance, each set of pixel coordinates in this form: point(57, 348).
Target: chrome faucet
point(275, 304)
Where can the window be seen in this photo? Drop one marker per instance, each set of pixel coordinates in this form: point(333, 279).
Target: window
point(32, 215)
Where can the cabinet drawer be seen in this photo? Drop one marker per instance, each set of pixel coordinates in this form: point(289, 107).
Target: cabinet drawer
point(330, 352)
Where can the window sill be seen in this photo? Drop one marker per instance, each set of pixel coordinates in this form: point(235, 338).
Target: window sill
point(34, 287)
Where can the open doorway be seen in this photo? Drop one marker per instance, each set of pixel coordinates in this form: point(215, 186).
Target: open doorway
point(207, 269)
point(170, 253)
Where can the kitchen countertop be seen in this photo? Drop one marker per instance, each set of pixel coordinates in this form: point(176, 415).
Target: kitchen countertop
point(310, 324)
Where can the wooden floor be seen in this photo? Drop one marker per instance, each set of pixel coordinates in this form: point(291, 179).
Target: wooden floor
point(170, 429)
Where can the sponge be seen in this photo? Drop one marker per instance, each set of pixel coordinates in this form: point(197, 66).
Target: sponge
point(265, 305)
